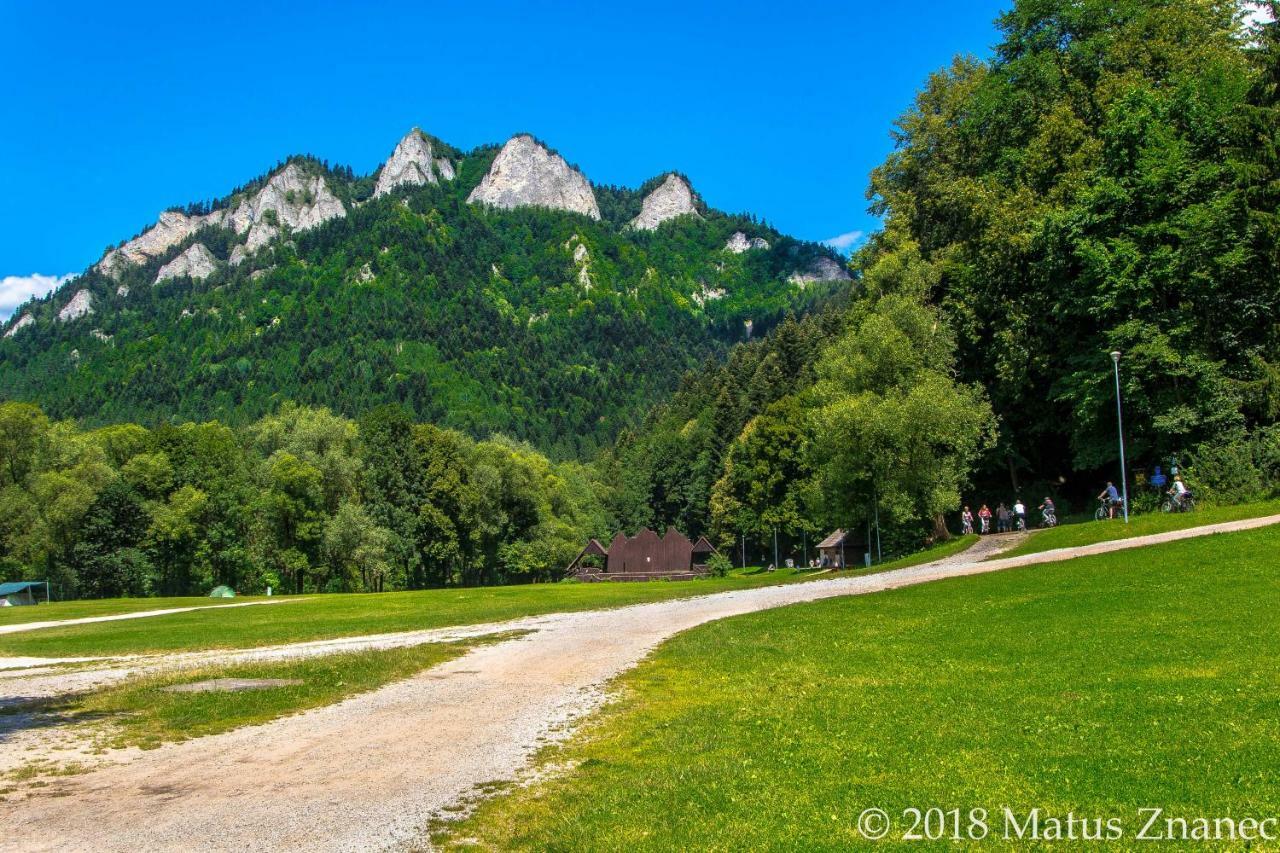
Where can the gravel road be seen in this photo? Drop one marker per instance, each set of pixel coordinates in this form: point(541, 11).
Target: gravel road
point(369, 773)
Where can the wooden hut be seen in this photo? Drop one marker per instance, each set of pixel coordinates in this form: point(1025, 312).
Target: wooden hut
point(645, 556)
point(837, 548)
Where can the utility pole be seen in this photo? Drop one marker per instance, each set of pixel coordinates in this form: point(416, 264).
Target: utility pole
point(775, 546)
point(1124, 474)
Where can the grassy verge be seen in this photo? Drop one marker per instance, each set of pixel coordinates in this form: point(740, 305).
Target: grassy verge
point(142, 713)
point(1096, 686)
point(56, 610)
point(323, 616)
point(1090, 532)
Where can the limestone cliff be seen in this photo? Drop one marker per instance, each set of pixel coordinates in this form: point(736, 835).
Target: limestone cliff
point(672, 198)
point(822, 269)
point(197, 262)
point(22, 322)
point(80, 305)
point(413, 163)
point(292, 199)
point(171, 229)
point(739, 243)
point(525, 174)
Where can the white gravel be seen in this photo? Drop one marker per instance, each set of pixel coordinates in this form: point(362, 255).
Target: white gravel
point(369, 773)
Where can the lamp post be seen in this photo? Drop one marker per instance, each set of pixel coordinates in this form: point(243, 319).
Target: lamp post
point(1124, 475)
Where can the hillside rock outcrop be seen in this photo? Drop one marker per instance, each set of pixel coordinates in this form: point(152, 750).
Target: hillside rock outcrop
point(672, 198)
point(739, 243)
point(293, 199)
point(525, 174)
point(822, 269)
point(413, 163)
point(80, 305)
point(197, 262)
point(170, 229)
point(23, 321)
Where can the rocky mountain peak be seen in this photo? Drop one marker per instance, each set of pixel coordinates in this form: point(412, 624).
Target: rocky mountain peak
point(298, 200)
point(672, 198)
point(525, 174)
point(170, 229)
point(413, 163)
point(197, 262)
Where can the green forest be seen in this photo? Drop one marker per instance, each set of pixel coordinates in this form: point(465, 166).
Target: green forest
point(1107, 179)
point(473, 318)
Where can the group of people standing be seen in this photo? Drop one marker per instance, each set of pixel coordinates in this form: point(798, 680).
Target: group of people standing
point(1007, 519)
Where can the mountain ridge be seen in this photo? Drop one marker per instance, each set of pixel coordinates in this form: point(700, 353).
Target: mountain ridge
point(491, 316)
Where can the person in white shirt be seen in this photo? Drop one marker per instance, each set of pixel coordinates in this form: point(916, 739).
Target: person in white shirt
point(1020, 513)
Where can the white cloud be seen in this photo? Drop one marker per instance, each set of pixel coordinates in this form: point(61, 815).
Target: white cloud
point(845, 242)
point(17, 289)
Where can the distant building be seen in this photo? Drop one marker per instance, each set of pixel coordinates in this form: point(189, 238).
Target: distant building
point(839, 547)
point(642, 557)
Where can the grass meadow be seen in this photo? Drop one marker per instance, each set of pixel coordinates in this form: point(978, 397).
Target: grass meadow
point(1096, 687)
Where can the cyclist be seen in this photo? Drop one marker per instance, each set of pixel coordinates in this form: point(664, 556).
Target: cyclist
point(966, 522)
point(1048, 513)
point(984, 518)
point(1179, 492)
point(1110, 496)
point(1020, 514)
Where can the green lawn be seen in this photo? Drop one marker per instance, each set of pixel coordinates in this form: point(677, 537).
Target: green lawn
point(322, 616)
point(1091, 531)
point(1096, 686)
point(56, 610)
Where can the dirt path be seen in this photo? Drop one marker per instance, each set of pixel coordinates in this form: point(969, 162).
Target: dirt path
point(141, 614)
point(370, 772)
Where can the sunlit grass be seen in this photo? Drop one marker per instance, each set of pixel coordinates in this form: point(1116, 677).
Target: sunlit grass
point(1097, 686)
point(325, 616)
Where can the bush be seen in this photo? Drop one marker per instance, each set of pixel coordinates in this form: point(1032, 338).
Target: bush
point(1239, 469)
point(719, 565)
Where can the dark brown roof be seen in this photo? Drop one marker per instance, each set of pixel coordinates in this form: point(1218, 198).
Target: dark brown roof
point(702, 546)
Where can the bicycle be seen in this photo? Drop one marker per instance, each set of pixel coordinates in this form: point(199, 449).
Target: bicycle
point(1186, 504)
point(1104, 510)
point(1048, 518)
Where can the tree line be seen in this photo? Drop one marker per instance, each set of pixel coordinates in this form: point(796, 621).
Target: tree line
point(302, 500)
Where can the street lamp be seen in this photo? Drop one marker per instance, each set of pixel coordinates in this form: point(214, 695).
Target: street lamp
point(1124, 477)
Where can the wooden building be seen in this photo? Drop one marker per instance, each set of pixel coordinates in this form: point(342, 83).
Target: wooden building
point(642, 557)
point(841, 549)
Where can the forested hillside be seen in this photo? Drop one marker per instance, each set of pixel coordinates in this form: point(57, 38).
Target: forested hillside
point(1107, 181)
point(543, 324)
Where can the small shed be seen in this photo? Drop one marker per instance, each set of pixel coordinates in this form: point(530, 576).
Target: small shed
point(834, 550)
point(18, 593)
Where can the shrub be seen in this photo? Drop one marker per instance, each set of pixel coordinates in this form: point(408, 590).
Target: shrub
point(719, 565)
point(1244, 467)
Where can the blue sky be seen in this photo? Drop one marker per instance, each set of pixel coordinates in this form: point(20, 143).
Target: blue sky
point(110, 115)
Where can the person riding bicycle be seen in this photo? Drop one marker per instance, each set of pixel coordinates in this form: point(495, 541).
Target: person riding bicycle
point(966, 522)
point(1110, 496)
point(1048, 512)
point(984, 518)
point(1020, 514)
point(1179, 492)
